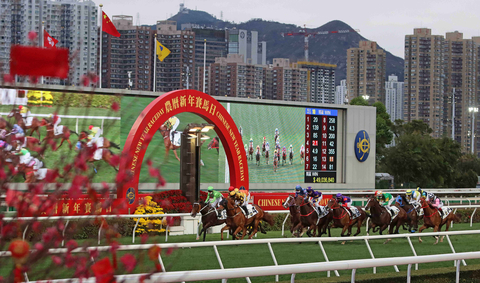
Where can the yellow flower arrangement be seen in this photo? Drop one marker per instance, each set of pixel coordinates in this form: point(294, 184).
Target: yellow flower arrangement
point(149, 225)
point(40, 97)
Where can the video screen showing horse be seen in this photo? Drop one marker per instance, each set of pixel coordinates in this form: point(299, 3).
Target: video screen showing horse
point(43, 130)
point(165, 147)
point(266, 129)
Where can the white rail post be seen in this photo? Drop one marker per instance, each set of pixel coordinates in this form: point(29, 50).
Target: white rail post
point(457, 277)
point(100, 231)
point(453, 251)
point(283, 224)
point(273, 257)
point(353, 275)
point(198, 227)
point(25, 232)
point(166, 233)
point(471, 217)
point(63, 233)
point(102, 124)
point(326, 259)
point(26, 277)
point(135, 228)
point(219, 260)
point(451, 224)
point(292, 278)
point(161, 262)
point(371, 254)
point(409, 273)
point(76, 126)
point(366, 225)
point(413, 250)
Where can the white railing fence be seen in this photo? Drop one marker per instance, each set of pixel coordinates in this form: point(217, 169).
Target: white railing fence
point(285, 269)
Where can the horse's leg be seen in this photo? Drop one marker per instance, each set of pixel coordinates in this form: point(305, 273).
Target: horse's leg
point(435, 229)
point(420, 231)
point(69, 144)
point(255, 228)
point(383, 227)
point(221, 232)
point(359, 225)
point(176, 156)
point(314, 228)
point(298, 226)
point(61, 142)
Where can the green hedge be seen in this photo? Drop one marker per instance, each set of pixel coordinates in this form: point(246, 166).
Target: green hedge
point(84, 100)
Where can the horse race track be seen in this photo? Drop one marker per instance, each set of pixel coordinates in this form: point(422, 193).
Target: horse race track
point(259, 255)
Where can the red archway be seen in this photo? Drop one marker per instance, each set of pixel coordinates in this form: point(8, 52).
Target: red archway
point(162, 108)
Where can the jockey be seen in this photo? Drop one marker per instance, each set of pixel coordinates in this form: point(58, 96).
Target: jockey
point(251, 143)
point(284, 150)
point(239, 197)
point(386, 198)
point(422, 192)
point(258, 150)
point(24, 112)
point(345, 201)
point(316, 200)
point(95, 133)
point(277, 132)
point(241, 131)
point(172, 124)
point(25, 157)
point(299, 191)
point(291, 148)
point(214, 199)
point(18, 131)
point(55, 121)
point(246, 194)
point(231, 188)
point(267, 147)
point(413, 197)
point(310, 192)
point(435, 202)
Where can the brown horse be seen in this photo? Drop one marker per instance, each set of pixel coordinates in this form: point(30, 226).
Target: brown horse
point(168, 142)
point(284, 157)
point(209, 217)
point(275, 162)
point(257, 156)
point(267, 155)
point(294, 212)
point(412, 215)
point(250, 151)
point(237, 221)
point(106, 143)
point(4, 124)
point(302, 156)
point(65, 136)
point(341, 218)
point(34, 127)
point(433, 219)
point(291, 156)
point(381, 218)
point(31, 175)
point(309, 218)
point(88, 154)
point(264, 145)
point(215, 143)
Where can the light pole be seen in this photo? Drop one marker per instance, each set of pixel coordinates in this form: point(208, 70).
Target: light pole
point(473, 110)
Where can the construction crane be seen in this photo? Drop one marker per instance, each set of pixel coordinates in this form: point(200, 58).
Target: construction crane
point(306, 34)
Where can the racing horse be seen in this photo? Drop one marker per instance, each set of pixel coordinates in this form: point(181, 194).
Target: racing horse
point(302, 155)
point(106, 143)
point(284, 157)
point(34, 127)
point(257, 156)
point(33, 176)
point(275, 162)
point(294, 212)
point(215, 143)
point(264, 146)
point(209, 217)
point(381, 218)
point(341, 218)
point(412, 215)
point(267, 155)
point(168, 142)
point(250, 151)
point(87, 154)
point(432, 218)
point(291, 156)
point(65, 136)
point(29, 142)
point(309, 218)
point(237, 221)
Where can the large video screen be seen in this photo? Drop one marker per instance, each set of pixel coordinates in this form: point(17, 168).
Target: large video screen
point(54, 128)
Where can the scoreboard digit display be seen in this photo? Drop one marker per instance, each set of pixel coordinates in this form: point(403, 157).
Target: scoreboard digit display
point(320, 145)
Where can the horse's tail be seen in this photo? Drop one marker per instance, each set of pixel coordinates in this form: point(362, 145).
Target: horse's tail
point(268, 218)
point(73, 132)
point(114, 145)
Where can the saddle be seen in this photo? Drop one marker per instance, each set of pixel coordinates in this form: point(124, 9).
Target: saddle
point(177, 137)
point(223, 215)
point(355, 212)
point(321, 212)
point(446, 211)
point(252, 211)
point(393, 211)
point(58, 130)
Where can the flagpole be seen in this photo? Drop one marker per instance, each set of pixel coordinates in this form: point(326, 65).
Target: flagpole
point(42, 44)
point(155, 64)
point(100, 59)
point(204, 62)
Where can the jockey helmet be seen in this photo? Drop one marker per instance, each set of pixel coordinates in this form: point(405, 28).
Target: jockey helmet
point(378, 193)
point(50, 116)
point(284, 148)
point(339, 195)
point(20, 107)
point(408, 192)
point(298, 188)
point(291, 146)
point(2, 143)
point(90, 127)
point(242, 188)
point(231, 188)
point(210, 189)
point(430, 196)
point(275, 151)
point(79, 145)
point(317, 194)
point(276, 130)
point(251, 140)
point(309, 190)
point(419, 189)
point(267, 143)
point(233, 193)
point(264, 138)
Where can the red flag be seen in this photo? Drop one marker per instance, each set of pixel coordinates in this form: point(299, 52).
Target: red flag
point(37, 61)
point(49, 41)
point(108, 27)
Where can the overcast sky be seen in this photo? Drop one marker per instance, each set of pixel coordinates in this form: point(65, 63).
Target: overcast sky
point(386, 22)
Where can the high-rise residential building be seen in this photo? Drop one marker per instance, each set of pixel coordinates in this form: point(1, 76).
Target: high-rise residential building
point(246, 43)
point(172, 73)
point(321, 81)
point(232, 77)
point(128, 58)
point(285, 81)
point(341, 93)
point(460, 84)
point(424, 79)
point(366, 71)
point(394, 98)
point(74, 23)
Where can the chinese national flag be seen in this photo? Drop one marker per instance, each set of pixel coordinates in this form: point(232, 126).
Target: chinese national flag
point(49, 41)
point(108, 27)
point(38, 61)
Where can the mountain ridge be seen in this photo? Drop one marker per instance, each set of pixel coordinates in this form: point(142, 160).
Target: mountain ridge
point(331, 48)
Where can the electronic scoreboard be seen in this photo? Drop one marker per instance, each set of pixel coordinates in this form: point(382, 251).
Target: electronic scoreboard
point(320, 145)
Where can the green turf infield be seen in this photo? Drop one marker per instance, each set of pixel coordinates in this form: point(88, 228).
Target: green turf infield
point(259, 255)
point(63, 156)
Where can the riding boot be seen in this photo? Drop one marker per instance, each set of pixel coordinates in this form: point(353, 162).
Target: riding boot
point(441, 212)
point(219, 214)
point(244, 207)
